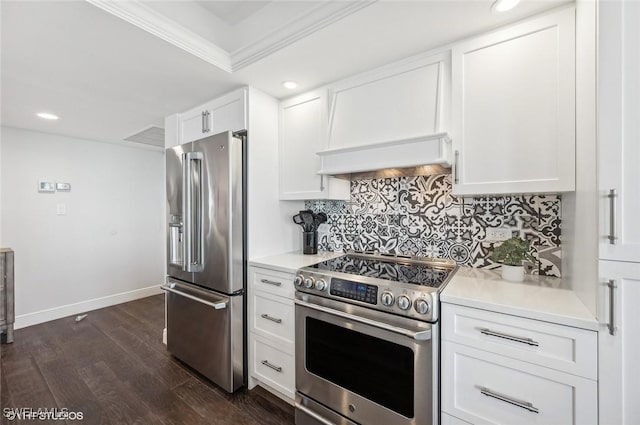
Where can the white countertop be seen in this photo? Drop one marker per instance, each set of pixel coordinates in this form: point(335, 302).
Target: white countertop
point(291, 261)
point(538, 297)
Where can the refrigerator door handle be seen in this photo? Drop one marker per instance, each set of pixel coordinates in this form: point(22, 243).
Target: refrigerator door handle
point(217, 306)
point(193, 212)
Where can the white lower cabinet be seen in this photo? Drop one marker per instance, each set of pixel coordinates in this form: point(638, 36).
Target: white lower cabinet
point(272, 367)
point(271, 332)
point(504, 369)
point(486, 388)
point(619, 344)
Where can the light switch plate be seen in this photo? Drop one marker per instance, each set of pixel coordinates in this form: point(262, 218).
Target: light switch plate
point(63, 187)
point(46, 186)
point(61, 209)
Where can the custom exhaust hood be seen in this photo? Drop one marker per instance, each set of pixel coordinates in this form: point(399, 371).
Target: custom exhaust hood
point(415, 156)
point(392, 118)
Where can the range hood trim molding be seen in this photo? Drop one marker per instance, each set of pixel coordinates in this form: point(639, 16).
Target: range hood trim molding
point(389, 154)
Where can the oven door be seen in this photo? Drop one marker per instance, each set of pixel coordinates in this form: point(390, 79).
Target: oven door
point(370, 367)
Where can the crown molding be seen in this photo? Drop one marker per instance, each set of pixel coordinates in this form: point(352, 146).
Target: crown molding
point(142, 16)
point(159, 25)
point(308, 23)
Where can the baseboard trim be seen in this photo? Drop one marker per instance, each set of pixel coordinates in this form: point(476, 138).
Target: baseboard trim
point(30, 319)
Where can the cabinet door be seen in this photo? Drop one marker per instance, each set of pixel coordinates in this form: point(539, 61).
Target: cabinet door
point(193, 125)
point(303, 132)
point(619, 353)
point(513, 110)
point(619, 129)
point(227, 113)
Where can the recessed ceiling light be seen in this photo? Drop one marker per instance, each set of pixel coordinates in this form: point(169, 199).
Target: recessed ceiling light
point(504, 5)
point(47, 116)
point(290, 84)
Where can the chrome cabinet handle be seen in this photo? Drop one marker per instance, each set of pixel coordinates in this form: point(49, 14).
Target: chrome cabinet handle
point(206, 121)
point(217, 306)
point(520, 339)
point(519, 403)
point(273, 319)
point(274, 367)
point(417, 335)
point(203, 123)
point(456, 155)
point(271, 282)
point(613, 194)
point(612, 314)
point(321, 182)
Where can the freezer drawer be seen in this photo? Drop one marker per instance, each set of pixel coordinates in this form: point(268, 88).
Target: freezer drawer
point(205, 330)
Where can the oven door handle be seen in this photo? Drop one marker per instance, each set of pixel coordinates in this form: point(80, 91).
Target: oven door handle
point(417, 335)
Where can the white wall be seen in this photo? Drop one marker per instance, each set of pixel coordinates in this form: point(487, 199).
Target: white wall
point(108, 248)
point(271, 229)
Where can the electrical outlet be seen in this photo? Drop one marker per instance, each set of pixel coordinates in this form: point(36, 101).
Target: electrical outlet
point(498, 234)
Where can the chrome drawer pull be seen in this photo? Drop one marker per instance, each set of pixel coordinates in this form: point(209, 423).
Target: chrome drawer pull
point(273, 319)
point(519, 339)
point(276, 368)
point(613, 194)
point(612, 303)
point(271, 282)
point(522, 404)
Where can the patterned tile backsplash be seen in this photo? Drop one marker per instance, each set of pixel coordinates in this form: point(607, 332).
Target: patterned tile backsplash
point(419, 216)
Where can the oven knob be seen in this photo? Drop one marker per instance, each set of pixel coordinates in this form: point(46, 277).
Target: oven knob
point(298, 280)
point(404, 302)
point(422, 306)
point(321, 285)
point(387, 298)
point(308, 282)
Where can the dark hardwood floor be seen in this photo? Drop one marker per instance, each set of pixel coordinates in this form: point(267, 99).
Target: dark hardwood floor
point(113, 367)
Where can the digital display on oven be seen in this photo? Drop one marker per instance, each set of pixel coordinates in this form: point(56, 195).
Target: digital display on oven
point(354, 290)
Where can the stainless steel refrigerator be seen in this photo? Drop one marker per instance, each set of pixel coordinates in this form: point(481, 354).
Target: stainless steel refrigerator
point(206, 257)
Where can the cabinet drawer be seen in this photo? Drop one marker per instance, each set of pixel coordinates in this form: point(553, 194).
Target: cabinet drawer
point(272, 367)
point(559, 347)
point(273, 317)
point(484, 388)
point(272, 282)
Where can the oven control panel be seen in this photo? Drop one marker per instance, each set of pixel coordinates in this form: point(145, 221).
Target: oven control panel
point(398, 298)
point(354, 291)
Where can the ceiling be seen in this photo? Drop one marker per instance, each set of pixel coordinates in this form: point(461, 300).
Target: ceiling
point(108, 78)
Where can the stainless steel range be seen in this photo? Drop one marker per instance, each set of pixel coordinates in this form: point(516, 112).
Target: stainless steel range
point(367, 340)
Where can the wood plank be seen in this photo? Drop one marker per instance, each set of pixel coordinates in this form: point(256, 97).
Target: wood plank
point(28, 387)
point(210, 405)
point(71, 392)
point(263, 406)
point(165, 368)
point(164, 402)
point(119, 403)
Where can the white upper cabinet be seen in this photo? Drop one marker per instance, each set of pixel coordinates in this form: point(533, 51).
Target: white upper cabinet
point(513, 108)
point(396, 102)
point(619, 130)
point(226, 113)
point(303, 132)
